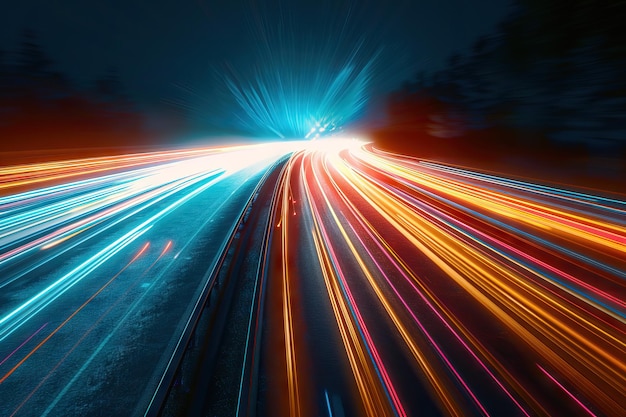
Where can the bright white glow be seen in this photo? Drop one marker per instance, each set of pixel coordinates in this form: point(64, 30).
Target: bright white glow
point(254, 154)
point(334, 145)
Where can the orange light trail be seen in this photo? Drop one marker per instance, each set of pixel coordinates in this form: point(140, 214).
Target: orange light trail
point(71, 316)
point(440, 288)
point(545, 264)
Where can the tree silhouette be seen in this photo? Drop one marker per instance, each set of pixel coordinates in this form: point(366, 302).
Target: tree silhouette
point(110, 87)
point(31, 58)
point(554, 69)
point(41, 109)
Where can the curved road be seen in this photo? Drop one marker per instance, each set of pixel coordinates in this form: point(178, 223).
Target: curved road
point(349, 281)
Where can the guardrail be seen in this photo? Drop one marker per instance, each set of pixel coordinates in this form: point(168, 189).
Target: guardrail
point(247, 401)
point(168, 378)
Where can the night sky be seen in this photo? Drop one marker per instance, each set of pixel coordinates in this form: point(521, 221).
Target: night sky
point(174, 51)
point(313, 207)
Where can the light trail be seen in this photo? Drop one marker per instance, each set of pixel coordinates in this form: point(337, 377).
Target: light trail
point(82, 338)
point(59, 243)
point(94, 326)
point(447, 289)
point(543, 264)
point(74, 313)
point(286, 209)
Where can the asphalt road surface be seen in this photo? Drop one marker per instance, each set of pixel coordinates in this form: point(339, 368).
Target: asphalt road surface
point(311, 278)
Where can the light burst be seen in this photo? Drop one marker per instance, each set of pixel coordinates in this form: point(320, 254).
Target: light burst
point(305, 81)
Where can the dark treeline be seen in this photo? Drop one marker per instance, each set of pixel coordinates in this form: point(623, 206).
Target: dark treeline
point(41, 108)
point(549, 85)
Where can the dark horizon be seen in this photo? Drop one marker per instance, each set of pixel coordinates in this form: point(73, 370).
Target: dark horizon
point(171, 57)
point(298, 208)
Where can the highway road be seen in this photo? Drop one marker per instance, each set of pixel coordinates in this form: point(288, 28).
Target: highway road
point(310, 278)
point(100, 274)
